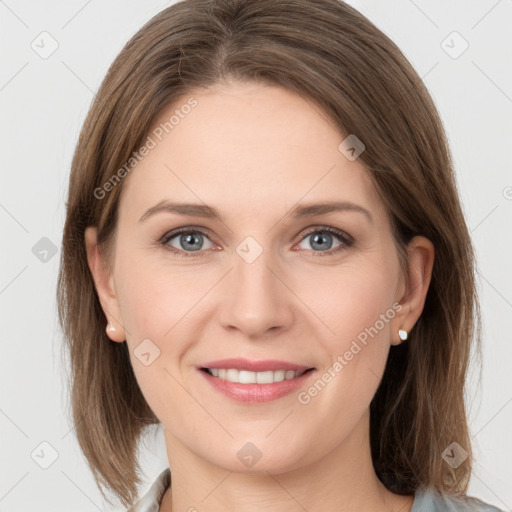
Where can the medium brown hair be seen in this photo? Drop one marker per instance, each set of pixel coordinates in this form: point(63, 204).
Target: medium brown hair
point(327, 52)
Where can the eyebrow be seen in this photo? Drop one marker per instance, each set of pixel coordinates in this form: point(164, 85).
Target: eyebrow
point(208, 212)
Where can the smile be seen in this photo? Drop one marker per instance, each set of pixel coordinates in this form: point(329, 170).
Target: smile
point(243, 380)
point(248, 377)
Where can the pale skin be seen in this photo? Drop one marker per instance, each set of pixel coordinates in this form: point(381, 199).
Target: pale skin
point(254, 152)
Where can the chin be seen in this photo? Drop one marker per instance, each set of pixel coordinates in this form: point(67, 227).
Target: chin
point(259, 458)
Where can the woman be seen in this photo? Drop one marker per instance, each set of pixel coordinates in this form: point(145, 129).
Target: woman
point(265, 253)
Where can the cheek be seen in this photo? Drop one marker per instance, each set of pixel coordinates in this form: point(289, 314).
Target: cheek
point(153, 298)
point(351, 300)
point(152, 309)
point(157, 305)
point(355, 304)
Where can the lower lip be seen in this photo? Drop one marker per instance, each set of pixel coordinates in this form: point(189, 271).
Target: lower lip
point(256, 392)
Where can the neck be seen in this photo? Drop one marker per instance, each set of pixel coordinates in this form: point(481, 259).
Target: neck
point(342, 481)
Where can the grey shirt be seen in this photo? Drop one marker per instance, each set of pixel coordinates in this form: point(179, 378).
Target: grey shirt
point(425, 500)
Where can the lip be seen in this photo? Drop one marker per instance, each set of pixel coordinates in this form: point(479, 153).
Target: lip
point(256, 393)
point(255, 366)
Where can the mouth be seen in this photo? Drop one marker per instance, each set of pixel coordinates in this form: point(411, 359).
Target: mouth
point(255, 381)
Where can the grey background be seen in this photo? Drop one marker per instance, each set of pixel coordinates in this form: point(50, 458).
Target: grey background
point(43, 102)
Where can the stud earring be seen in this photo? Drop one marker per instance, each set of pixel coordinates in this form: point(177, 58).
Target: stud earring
point(402, 334)
point(110, 328)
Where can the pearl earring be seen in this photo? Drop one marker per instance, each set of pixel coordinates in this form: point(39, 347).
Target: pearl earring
point(110, 327)
point(402, 334)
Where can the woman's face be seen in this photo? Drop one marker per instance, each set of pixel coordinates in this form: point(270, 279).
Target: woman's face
point(261, 281)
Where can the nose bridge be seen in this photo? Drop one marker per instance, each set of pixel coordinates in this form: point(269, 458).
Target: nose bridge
point(257, 299)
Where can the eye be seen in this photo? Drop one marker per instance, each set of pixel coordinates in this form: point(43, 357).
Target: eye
point(322, 240)
point(186, 240)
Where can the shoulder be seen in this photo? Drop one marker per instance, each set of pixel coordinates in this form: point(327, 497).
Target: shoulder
point(429, 500)
point(150, 502)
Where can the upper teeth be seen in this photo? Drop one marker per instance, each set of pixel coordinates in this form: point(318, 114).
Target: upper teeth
point(247, 377)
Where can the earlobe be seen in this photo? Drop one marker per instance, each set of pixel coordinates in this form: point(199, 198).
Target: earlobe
point(104, 286)
point(421, 255)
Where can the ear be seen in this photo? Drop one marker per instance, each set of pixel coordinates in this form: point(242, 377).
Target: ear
point(104, 285)
point(421, 255)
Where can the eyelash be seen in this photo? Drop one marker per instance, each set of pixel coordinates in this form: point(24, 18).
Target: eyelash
point(346, 240)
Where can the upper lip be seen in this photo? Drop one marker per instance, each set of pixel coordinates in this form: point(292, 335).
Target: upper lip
point(255, 366)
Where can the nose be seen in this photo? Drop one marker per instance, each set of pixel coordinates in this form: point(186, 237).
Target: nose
point(257, 300)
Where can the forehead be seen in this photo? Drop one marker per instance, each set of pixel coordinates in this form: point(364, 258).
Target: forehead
point(245, 148)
